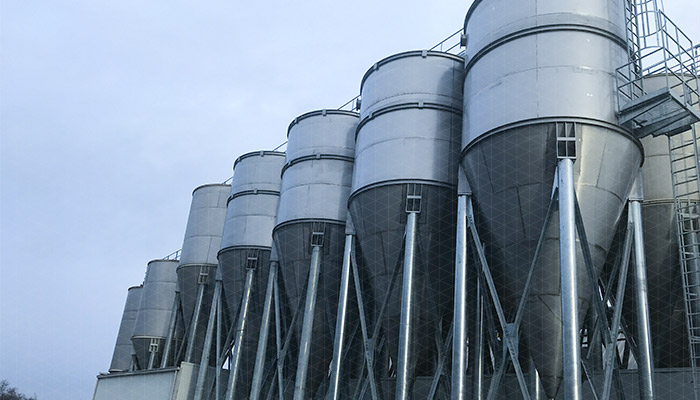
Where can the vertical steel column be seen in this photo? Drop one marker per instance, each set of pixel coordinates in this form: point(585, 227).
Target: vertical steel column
point(569, 288)
point(171, 331)
point(195, 321)
point(459, 344)
point(308, 324)
point(240, 330)
point(407, 311)
point(152, 348)
point(477, 347)
point(278, 342)
point(258, 372)
point(206, 350)
point(646, 361)
point(535, 388)
point(217, 378)
point(338, 344)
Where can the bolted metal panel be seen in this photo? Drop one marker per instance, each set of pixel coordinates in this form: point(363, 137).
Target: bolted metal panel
point(123, 349)
point(401, 79)
point(316, 180)
point(564, 78)
point(315, 188)
point(408, 136)
point(252, 206)
point(205, 225)
point(158, 294)
point(198, 257)
point(567, 53)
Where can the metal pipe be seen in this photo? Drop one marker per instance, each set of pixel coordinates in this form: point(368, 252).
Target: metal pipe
point(459, 345)
point(217, 379)
point(278, 342)
point(193, 325)
point(206, 350)
point(569, 288)
point(256, 386)
point(240, 329)
point(403, 370)
point(171, 331)
point(477, 347)
point(535, 388)
point(307, 325)
point(340, 323)
point(646, 361)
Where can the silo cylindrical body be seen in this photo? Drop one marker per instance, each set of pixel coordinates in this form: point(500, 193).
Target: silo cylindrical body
point(198, 257)
point(247, 243)
point(408, 145)
point(536, 70)
point(665, 282)
point(123, 349)
point(153, 318)
point(315, 188)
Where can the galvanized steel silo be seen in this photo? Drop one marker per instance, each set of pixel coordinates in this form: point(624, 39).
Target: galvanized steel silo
point(123, 349)
point(406, 164)
point(152, 321)
point(309, 235)
point(245, 249)
point(536, 70)
point(196, 272)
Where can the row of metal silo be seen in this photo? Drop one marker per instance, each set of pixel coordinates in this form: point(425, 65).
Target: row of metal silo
point(392, 252)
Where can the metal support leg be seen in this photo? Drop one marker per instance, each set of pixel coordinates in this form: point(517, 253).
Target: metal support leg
point(569, 287)
point(278, 342)
point(171, 331)
point(258, 372)
point(338, 344)
point(204, 363)
point(368, 347)
point(403, 369)
point(459, 346)
point(476, 348)
point(611, 346)
point(308, 324)
point(153, 349)
point(535, 387)
point(646, 362)
point(240, 330)
point(217, 379)
point(189, 355)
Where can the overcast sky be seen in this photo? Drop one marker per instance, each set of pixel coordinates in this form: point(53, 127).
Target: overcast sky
point(111, 113)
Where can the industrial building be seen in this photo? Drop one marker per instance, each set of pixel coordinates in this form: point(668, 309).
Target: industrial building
point(513, 214)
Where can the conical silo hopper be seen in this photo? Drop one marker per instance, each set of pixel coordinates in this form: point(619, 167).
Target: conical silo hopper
point(406, 162)
point(123, 349)
point(246, 247)
point(538, 69)
point(196, 272)
point(153, 318)
point(311, 227)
